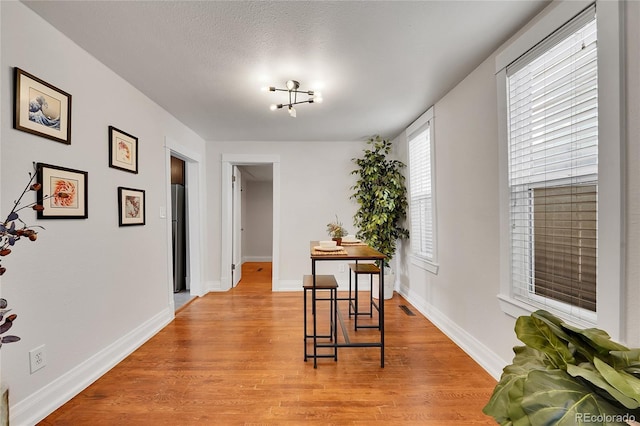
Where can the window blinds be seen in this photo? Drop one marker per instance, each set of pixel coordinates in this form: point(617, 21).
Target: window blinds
point(421, 197)
point(553, 167)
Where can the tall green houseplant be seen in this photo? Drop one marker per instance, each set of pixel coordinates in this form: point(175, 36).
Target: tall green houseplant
point(381, 195)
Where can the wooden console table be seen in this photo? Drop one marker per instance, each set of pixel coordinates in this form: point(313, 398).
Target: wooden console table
point(350, 253)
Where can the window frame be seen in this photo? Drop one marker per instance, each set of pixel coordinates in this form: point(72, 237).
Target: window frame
point(610, 180)
point(429, 264)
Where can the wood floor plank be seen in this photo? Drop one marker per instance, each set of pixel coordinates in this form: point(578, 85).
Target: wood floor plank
point(236, 358)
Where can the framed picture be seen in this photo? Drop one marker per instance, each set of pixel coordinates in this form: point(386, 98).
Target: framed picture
point(40, 108)
point(131, 208)
point(123, 150)
point(64, 192)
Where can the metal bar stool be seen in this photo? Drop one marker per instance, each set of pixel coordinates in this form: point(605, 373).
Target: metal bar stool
point(362, 269)
point(323, 283)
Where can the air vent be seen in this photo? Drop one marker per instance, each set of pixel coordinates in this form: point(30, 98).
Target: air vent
point(407, 311)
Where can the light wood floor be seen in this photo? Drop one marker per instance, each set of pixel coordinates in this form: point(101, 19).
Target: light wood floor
point(236, 358)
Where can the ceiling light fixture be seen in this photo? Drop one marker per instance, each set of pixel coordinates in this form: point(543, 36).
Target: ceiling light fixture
point(292, 89)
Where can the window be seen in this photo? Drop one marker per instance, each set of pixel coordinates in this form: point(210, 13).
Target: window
point(552, 99)
point(421, 192)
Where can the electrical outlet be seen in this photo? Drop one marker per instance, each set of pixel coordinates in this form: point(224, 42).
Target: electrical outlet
point(37, 358)
point(341, 268)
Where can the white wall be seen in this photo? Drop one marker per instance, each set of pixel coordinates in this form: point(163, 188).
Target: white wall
point(315, 186)
point(87, 289)
point(461, 299)
point(79, 291)
point(257, 221)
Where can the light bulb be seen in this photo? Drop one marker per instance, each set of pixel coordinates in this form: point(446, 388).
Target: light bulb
point(273, 107)
point(292, 112)
point(318, 98)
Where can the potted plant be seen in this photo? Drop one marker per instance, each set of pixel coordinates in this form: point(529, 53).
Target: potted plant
point(381, 195)
point(336, 231)
point(12, 230)
point(566, 376)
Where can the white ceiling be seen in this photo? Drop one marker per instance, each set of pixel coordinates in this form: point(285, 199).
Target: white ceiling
point(378, 64)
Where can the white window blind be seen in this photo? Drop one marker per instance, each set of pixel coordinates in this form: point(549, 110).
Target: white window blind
point(553, 168)
point(421, 193)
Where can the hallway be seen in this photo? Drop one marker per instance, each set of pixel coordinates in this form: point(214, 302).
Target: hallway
point(236, 358)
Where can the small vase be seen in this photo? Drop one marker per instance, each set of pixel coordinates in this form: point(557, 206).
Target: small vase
point(337, 240)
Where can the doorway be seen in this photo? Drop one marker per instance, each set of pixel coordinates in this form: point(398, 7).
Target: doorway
point(179, 226)
point(194, 220)
point(252, 218)
point(229, 162)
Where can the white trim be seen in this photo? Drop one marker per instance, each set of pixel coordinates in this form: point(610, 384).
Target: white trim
point(611, 238)
point(420, 122)
point(49, 398)
point(611, 186)
point(491, 362)
point(549, 20)
point(343, 285)
point(426, 119)
point(424, 263)
point(195, 184)
point(228, 161)
point(257, 259)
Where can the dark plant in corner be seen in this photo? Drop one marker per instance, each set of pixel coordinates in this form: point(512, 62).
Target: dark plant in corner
point(566, 376)
point(381, 195)
point(12, 230)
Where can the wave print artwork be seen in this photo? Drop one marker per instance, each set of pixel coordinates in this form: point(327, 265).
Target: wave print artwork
point(44, 109)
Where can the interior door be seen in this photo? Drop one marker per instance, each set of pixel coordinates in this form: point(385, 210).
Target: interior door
point(236, 246)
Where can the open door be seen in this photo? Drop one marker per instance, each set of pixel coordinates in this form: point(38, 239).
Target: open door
point(236, 245)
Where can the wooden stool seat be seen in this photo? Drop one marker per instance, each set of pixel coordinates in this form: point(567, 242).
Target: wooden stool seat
point(323, 283)
point(358, 269)
point(364, 268)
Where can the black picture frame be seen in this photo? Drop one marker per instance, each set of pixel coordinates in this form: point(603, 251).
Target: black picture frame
point(41, 108)
point(64, 191)
point(123, 150)
point(131, 206)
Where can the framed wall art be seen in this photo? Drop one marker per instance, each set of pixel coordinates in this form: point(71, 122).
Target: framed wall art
point(123, 150)
point(40, 108)
point(131, 206)
point(65, 190)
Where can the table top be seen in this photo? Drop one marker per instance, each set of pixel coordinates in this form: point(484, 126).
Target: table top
point(353, 253)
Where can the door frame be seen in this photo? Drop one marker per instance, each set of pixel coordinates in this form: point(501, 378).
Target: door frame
point(228, 161)
point(236, 220)
point(194, 196)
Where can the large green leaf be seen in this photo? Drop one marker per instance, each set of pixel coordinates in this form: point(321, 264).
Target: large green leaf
point(626, 360)
point(502, 405)
point(597, 339)
point(553, 397)
point(628, 385)
point(588, 372)
point(538, 334)
point(575, 343)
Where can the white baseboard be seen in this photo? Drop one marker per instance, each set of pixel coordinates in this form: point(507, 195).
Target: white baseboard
point(49, 398)
point(296, 285)
point(289, 285)
point(483, 355)
point(212, 286)
point(257, 259)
